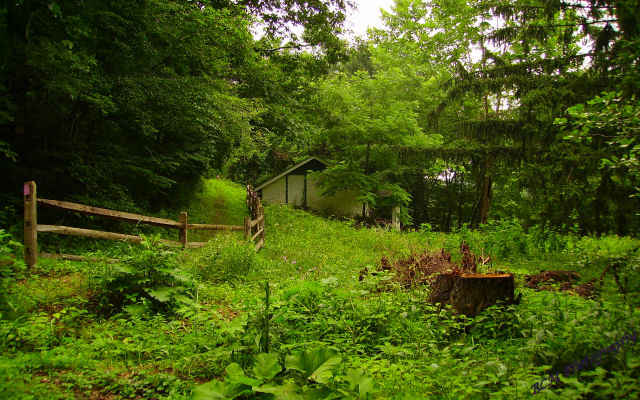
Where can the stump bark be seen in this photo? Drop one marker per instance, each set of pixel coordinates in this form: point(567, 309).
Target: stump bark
point(470, 294)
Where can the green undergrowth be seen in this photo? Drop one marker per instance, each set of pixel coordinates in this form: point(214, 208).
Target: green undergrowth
point(219, 202)
point(216, 201)
point(295, 321)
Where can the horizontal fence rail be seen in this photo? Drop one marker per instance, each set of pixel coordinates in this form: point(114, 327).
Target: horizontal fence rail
point(31, 226)
point(209, 227)
point(103, 212)
point(70, 231)
point(71, 257)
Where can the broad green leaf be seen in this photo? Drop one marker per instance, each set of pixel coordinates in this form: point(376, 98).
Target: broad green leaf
point(318, 365)
point(360, 382)
point(210, 390)
point(286, 391)
point(221, 390)
point(236, 376)
point(244, 381)
point(162, 294)
point(127, 269)
point(184, 299)
point(180, 276)
point(136, 310)
point(322, 393)
point(234, 370)
point(266, 366)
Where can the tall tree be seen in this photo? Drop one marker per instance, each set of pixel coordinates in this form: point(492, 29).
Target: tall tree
point(495, 75)
point(367, 120)
point(133, 101)
point(530, 69)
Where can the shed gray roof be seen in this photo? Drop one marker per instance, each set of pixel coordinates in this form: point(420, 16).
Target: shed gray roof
point(298, 165)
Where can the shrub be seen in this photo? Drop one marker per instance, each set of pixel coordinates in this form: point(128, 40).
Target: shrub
point(225, 259)
point(148, 280)
point(11, 268)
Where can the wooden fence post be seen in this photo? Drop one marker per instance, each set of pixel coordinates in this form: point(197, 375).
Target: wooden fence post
point(395, 218)
point(182, 235)
point(247, 227)
point(255, 204)
point(261, 213)
point(30, 224)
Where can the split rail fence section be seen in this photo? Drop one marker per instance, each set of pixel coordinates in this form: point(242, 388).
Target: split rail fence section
point(256, 220)
point(31, 226)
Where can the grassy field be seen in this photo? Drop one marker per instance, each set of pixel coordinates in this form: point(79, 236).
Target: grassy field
point(201, 324)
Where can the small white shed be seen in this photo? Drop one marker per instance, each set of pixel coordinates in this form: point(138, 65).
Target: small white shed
point(296, 188)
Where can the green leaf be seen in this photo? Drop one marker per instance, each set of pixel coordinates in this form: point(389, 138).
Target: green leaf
point(136, 310)
point(221, 390)
point(360, 382)
point(210, 390)
point(55, 9)
point(180, 276)
point(266, 366)
point(162, 294)
point(184, 299)
point(286, 391)
point(318, 365)
point(322, 393)
point(234, 370)
point(127, 269)
point(235, 375)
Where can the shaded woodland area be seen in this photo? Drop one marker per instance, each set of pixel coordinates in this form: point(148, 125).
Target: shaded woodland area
point(461, 112)
point(505, 131)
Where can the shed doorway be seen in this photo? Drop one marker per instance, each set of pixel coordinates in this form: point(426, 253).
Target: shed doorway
point(296, 193)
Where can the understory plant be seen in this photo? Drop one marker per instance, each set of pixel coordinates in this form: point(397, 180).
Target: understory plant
point(11, 267)
point(148, 280)
point(307, 374)
point(224, 259)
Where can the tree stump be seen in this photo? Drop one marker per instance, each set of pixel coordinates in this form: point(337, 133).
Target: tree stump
point(470, 294)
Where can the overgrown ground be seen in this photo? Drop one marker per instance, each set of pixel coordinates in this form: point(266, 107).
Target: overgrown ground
point(161, 324)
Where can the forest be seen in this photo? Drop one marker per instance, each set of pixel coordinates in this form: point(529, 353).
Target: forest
point(505, 131)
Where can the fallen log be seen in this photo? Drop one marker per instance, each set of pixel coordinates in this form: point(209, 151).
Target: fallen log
point(470, 293)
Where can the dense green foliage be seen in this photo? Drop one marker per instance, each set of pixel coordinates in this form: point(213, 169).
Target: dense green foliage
point(448, 110)
point(494, 77)
point(511, 126)
point(132, 102)
point(330, 335)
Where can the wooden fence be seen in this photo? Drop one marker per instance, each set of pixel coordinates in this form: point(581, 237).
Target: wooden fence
point(31, 226)
point(256, 220)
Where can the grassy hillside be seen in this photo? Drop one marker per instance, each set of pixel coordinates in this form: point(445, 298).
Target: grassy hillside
point(160, 324)
point(219, 202)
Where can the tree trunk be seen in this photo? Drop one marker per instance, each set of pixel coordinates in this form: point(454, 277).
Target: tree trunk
point(470, 294)
point(460, 200)
point(366, 171)
point(485, 194)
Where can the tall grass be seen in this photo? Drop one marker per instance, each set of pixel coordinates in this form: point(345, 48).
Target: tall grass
point(54, 342)
point(219, 202)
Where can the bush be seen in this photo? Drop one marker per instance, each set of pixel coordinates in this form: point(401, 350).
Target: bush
point(225, 259)
point(11, 268)
point(148, 280)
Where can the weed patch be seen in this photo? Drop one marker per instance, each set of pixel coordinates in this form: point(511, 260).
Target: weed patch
point(65, 329)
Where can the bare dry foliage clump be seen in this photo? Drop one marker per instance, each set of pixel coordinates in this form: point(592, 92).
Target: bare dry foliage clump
point(422, 268)
point(564, 281)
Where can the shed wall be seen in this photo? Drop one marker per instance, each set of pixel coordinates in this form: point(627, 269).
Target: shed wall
point(296, 190)
point(342, 203)
point(275, 192)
